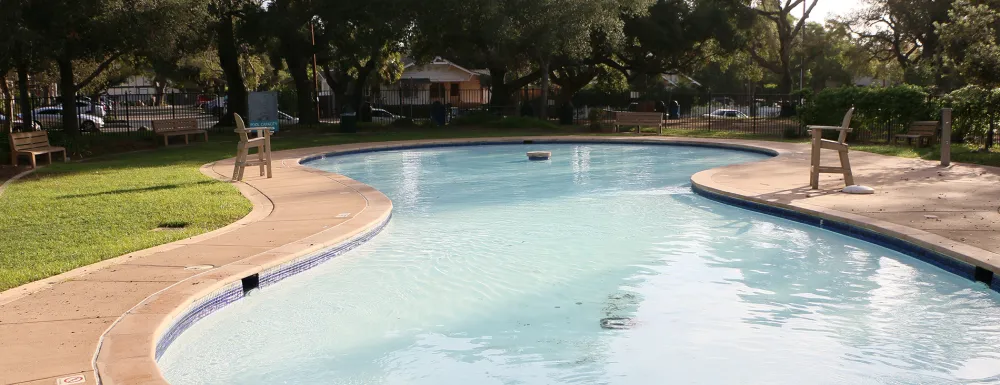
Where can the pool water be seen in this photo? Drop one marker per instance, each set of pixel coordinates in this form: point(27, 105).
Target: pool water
point(497, 270)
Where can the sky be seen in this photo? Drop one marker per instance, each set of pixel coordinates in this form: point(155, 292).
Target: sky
point(831, 8)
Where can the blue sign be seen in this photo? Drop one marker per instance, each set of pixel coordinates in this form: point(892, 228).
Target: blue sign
point(264, 109)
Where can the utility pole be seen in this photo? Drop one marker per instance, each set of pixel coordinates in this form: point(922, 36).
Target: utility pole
point(802, 58)
point(312, 31)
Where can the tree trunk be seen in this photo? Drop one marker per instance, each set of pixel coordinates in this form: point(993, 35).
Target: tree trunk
point(358, 91)
point(543, 110)
point(229, 60)
point(8, 103)
point(303, 88)
point(160, 83)
point(500, 96)
point(22, 90)
point(67, 97)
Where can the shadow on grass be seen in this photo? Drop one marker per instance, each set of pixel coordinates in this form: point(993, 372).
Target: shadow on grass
point(135, 190)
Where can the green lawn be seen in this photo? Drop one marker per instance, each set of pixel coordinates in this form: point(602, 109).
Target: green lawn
point(959, 153)
point(73, 214)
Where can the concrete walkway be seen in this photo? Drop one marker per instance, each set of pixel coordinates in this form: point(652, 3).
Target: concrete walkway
point(51, 329)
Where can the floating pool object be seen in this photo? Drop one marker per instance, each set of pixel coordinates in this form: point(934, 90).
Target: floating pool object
point(858, 189)
point(617, 323)
point(539, 155)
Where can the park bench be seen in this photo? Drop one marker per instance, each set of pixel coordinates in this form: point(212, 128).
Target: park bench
point(32, 143)
point(177, 127)
point(920, 131)
point(639, 120)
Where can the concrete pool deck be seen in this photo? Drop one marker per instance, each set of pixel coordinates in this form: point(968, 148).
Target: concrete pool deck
point(52, 329)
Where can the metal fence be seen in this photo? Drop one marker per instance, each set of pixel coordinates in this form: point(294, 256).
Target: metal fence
point(128, 116)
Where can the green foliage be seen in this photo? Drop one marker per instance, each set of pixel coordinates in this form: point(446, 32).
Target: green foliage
point(971, 39)
point(519, 122)
point(477, 118)
point(404, 122)
point(874, 107)
point(973, 109)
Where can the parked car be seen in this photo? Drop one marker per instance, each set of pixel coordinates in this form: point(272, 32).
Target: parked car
point(217, 106)
point(284, 118)
point(17, 123)
point(726, 114)
point(85, 105)
point(381, 116)
point(51, 118)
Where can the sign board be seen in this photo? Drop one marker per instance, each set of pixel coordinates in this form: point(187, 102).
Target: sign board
point(264, 109)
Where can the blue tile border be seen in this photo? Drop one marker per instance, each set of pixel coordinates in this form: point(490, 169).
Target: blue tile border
point(233, 292)
point(940, 260)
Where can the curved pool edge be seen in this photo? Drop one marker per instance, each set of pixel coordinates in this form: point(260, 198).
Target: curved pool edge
point(956, 258)
point(132, 357)
point(128, 349)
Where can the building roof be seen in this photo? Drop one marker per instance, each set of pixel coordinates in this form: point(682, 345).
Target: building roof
point(427, 70)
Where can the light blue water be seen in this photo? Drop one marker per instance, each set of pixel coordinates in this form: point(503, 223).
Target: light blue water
point(496, 270)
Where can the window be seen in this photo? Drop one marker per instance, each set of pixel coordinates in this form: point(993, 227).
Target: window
point(437, 90)
point(454, 90)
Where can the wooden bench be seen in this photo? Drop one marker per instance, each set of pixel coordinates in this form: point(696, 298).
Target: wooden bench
point(920, 131)
point(177, 127)
point(639, 119)
point(32, 143)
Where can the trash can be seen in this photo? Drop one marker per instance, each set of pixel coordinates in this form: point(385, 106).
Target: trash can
point(349, 122)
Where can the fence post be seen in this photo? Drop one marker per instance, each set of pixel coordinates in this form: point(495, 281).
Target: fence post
point(173, 105)
point(710, 110)
point(946, 137)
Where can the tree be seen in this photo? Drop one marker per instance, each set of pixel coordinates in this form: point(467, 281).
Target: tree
point(285, 29)
point(226, 18)
point(101, 31)
point(365, 41)
point(904, 31)
point(776, 57)
point(972, 40)
point(677, 36)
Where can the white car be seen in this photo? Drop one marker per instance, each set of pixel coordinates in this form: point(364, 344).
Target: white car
point(17, 123)
point(381, 116)
point(726, 114)
point(284, 118)
point(51, 118)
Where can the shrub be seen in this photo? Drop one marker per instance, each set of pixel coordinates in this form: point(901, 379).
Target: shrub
point(477, 118)
point(879, 112)
point(404, 122)
point(973, 107)
point(520, 122)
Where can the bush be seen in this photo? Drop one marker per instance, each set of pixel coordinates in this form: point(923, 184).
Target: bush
point(972, 108)
point(403, 122)
point(520, 122)
point(879, 112)
point(477, 118)
point(792, 133)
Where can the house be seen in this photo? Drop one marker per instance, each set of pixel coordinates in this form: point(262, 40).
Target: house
point(437, 81)
point(674, 80)
point(137, 85)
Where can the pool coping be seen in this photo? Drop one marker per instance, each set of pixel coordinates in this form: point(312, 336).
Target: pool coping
point(128, 351)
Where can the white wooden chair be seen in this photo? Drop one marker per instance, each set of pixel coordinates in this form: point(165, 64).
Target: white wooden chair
point(840, 145)
point(262, 142)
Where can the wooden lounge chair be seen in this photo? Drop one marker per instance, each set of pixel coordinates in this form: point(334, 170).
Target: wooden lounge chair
point(840, 145)
point(262, 143)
